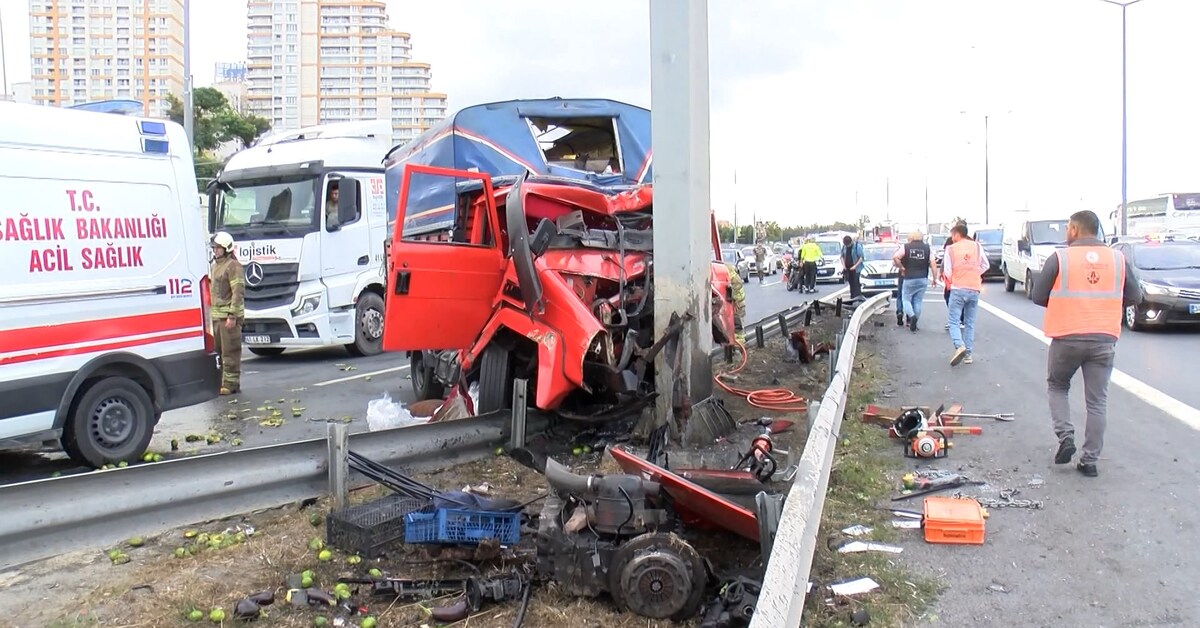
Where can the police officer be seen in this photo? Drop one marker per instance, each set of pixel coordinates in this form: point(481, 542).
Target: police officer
point(227, 293)
point(1085, 289)
point(810, 254)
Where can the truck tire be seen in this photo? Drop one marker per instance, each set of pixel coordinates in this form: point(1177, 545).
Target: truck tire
point(368, 326)
point(424, 382)
point(495, 379)
point(266, 352)
point(1010, 284)
point(111, 421)
point(1028, 285)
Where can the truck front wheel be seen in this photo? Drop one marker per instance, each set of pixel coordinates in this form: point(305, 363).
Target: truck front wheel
point(368, 326)
point(495, 379)
point(113, 421)
point(424, 382)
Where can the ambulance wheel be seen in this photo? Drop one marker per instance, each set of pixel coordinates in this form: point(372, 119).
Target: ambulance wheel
point(495, 379)
point(424, 382)
point(266, 352)
point(368, 326)
point(110, 422)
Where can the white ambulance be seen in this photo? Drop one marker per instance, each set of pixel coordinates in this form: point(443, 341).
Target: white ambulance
point(104, 294)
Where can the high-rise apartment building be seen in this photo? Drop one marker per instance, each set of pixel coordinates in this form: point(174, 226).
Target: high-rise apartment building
point(89, 50)
point(316, 61)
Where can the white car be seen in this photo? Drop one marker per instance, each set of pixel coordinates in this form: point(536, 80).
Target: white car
point(878, 272)
point(771, 261)
point(830, 267)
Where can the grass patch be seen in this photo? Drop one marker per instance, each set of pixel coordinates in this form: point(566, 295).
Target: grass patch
point(864, 475)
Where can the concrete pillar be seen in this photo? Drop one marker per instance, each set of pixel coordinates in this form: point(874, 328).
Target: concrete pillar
point(679, 105)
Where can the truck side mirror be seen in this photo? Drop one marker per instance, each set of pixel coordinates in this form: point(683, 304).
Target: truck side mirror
point(347, 209)
point(542, 236)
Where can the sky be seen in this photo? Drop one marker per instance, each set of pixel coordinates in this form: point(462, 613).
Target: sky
point(838, 108)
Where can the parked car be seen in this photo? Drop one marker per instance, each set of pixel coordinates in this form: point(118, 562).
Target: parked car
point(770, 263)
point(830, 268)
point(1027, 245)
point(734, 258)
point(879, 274)
point(1169, 274)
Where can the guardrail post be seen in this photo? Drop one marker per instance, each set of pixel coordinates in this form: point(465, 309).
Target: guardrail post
point(783, 326)
point(338, 440)
point(759, 340)
point(837, 309)
point(808, 314)
point(520, 409)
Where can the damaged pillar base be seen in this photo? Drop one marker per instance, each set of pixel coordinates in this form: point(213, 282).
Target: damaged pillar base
point(709, 421)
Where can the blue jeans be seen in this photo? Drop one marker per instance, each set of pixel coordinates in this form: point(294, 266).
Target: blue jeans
point(963, 306)
point(912, 294)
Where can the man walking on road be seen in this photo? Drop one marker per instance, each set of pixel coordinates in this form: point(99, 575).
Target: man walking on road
point(810, 253)
point(227, 295)
point(760, 260)
point(1085, 290)
point(965, 264)
point(917, 267)
point(852, 259)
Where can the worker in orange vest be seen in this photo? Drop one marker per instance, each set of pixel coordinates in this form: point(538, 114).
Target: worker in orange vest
point(965, 262)
point(1084, 289)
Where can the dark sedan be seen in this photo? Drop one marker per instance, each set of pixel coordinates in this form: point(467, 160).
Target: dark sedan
point(1169, 274)
point(992, 241)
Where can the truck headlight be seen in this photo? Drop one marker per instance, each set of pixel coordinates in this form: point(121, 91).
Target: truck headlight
point(308, 305)
point(1157, 290)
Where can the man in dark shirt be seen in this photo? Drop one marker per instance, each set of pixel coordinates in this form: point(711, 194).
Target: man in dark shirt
point(917, 267)
point(852, 261)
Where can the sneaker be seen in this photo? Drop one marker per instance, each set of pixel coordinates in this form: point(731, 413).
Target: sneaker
point(1088, 469)
point(912, 323)
point(899, 320)
point(969, 359)
point(946, 327)
point(958, 356)
point(1066, 450)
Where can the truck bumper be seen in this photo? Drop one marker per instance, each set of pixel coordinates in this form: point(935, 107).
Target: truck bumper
point(277, 327)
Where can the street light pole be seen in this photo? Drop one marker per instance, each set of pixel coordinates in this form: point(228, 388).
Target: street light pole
point(987, 183)
point(1124, 117)
point(189, 123)
point(3, 59)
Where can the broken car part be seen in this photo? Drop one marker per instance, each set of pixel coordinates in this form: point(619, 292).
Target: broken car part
point(734, 604)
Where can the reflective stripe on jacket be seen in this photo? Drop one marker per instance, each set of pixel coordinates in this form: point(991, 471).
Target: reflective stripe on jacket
point(227, 288)
point(1086, 297)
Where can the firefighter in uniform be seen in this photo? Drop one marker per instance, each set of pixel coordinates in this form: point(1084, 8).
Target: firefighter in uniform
point(739, 302)
point(1085, 289)
point(226, 293)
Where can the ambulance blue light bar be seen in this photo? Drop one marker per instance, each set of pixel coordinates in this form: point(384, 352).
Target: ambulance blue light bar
point(151, 127)
point(155, 146)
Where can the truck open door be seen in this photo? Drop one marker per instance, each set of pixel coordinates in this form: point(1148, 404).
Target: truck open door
point(443, 283)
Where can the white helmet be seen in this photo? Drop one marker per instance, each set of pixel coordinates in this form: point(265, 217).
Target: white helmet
point(223, 240)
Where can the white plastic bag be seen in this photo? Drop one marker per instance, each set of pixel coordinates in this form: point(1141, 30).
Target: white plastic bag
point(385, 414)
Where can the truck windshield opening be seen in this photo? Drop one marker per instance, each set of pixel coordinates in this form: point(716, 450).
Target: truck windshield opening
point(587, 144)
point(268, 207)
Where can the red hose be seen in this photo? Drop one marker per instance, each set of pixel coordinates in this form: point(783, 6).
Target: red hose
point(778, 399)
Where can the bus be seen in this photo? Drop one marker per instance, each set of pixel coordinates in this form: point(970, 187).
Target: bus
point(1167, 212)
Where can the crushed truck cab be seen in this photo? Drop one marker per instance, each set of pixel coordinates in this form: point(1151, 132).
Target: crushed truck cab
point(542, 271)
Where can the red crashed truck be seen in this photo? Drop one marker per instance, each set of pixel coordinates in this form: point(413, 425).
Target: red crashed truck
point(529, 261)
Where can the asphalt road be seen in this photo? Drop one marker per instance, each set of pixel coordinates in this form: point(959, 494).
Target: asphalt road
point(1111, 551)
point(327, 383)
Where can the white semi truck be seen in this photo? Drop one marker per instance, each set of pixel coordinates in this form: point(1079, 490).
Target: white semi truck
point(308, 212)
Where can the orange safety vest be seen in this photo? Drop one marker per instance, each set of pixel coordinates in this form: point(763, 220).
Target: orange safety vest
point(964, 265)
point(1087, 294)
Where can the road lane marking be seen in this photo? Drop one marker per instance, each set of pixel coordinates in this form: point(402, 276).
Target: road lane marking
point(351, 378)
point(1186, 414)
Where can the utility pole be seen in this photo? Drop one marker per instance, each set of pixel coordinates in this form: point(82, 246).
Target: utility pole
point(926, 201)
point(735, 222)
point(679, 97)
point(1124, 117)
point(189, 122)
point(3, 59)
point(888, 192)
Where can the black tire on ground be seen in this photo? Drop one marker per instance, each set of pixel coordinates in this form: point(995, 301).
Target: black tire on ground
point(425, 385)
point(1010, 284)
point(1130, 319)
point(368, 326)
point(110, 422)
point(1029, 285)
point(266, 352)
point(495, 379)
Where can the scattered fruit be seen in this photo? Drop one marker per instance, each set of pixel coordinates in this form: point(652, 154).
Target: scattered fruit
point(369, 622)
point(316, 544)
point(347, 419)
point(354, 560)
point(320, 621)
point(181, 552)
point(113, 554)
point(306, 582)
point(271, 422)
point(174, 444)
point(121, 559)
point(148, 456)
point(193, 438)
point(375, 573)
point(314, 519)
point(136, 541)
point(587, 450)
point(367, 378)
point(190, 534)
point(237, 442)
point(195, 615)
point(325, 556)
point(308, 573)
point(499, 451)
point(216, 616)
point(213, 438)
point(56, 474)
point(122, 464)
point(578, 451)
point(157, 458)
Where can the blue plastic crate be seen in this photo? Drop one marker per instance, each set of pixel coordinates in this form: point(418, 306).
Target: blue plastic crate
point(469, 527)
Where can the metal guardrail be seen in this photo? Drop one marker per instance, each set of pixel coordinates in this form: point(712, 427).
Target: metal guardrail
point(785, 584)
point(47, 517)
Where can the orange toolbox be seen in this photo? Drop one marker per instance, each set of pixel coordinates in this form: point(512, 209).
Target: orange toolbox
point(953, 521)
